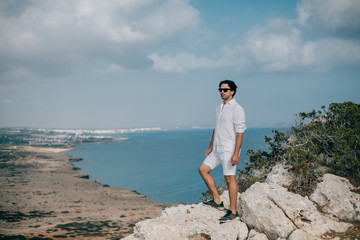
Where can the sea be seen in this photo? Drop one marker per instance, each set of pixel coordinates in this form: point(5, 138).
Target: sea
point(160, 164)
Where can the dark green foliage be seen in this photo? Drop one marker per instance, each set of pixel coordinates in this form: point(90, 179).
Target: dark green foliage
point(329, 138)
point(263, 159)
point(334, 138)
point(260, 162)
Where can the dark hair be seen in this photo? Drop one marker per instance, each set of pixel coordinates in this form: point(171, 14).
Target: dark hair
point(231, 84)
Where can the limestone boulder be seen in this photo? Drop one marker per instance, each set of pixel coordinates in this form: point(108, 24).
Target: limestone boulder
point(302, 235)
point(273, 210)
point(268, 209)
point(189, 222)
point(262, 214)
point(254, 235)
point(280, 175)
point(334, 196)
point(303, 213)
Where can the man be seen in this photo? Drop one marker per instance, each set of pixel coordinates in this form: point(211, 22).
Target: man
point(225, 148)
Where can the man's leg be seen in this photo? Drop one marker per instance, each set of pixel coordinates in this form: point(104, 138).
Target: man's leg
point(204, 171)
point(233, 191)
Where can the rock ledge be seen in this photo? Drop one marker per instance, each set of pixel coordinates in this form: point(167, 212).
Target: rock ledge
point(268, 211)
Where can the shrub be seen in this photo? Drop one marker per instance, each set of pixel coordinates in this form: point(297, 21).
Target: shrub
point(328, 137)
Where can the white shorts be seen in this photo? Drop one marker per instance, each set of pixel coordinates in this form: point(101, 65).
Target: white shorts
point(214, 159)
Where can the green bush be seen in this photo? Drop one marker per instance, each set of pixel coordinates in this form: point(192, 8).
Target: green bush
point(328, 137)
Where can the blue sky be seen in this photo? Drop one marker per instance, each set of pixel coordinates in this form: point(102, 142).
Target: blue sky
point(154, 63)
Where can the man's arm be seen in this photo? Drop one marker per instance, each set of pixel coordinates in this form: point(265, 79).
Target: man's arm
point(209, 150)
point(239, 140)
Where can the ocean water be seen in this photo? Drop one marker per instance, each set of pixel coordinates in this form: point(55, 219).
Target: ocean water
point(163, 165)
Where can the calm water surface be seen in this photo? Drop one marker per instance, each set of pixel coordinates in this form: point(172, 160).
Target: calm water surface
point(163, 165)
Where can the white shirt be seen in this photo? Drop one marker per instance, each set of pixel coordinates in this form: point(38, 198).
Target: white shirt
point(230, 119)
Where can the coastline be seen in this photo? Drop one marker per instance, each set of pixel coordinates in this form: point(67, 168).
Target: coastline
point(43, 195)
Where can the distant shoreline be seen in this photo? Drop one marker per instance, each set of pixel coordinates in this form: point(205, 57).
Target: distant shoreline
point(43, 195)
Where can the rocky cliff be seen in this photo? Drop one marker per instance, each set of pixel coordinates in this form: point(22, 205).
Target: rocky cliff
point(267, 211)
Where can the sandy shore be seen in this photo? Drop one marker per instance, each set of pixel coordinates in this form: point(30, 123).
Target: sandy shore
point(43, 196)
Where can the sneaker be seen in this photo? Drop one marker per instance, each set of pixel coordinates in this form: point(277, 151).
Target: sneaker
point(229, 216)
point(212, 203)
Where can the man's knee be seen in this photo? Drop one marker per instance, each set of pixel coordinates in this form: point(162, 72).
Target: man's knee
point(203, 169)
point(230, 179)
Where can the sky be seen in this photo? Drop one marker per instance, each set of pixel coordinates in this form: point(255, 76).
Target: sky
point(156, 63)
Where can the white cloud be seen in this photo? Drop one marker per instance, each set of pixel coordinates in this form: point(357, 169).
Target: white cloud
point(58, 37)
point(113, 69)
point(276, 47)
point(280, 45)
point(330, 15)
point(330, 52)
point(180, 62)
point(68, 34)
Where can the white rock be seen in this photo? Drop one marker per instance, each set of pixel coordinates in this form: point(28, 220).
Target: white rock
point(301, 211)
point(334, 197)
point(336, 225)
point(189, 222)
point(259, 212)
point(279, 175)
point(272, 209)
point(302, 235)
point(254, 235)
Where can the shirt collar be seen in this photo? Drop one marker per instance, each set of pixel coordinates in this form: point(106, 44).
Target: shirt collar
point(232, 101)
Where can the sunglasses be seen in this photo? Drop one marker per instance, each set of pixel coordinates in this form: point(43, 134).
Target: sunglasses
point(224, 89)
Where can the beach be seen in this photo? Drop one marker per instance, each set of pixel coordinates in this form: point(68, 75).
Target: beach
point(42, 195)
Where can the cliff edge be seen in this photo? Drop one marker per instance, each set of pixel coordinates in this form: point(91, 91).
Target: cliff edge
point(267, 211)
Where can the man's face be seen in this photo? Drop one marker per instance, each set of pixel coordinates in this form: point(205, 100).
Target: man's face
point(226, 95)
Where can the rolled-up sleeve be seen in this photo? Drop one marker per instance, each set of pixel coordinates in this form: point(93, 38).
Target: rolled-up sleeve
point(239, 120)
